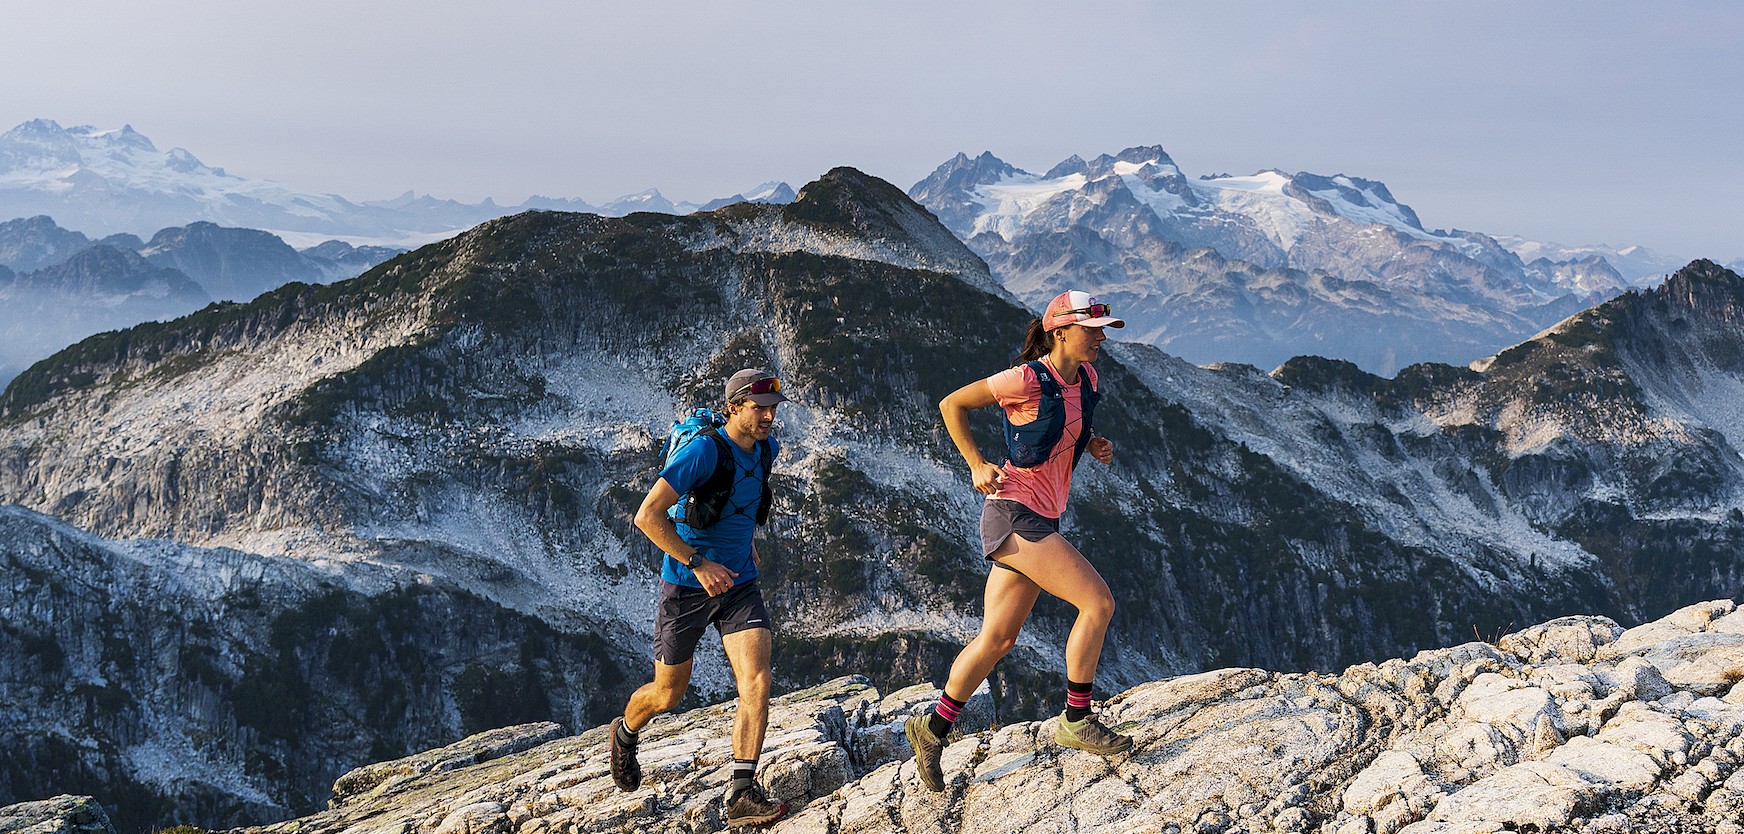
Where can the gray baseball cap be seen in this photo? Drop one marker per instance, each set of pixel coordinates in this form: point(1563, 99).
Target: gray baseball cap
point(757, 385)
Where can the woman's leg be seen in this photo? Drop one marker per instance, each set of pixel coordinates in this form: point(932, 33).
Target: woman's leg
point(1008, 599)
point(1057, 567)
point(1006, 604)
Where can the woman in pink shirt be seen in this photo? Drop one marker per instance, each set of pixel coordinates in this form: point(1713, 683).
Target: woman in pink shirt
point(1049, 400)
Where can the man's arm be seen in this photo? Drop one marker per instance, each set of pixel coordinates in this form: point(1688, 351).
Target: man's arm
point(652, 520)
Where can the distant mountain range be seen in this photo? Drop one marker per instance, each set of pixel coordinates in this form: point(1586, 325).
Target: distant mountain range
point(58, 286)
point(1264, 267)
point(469, 427)
point(108, 181)
point(1254, 269)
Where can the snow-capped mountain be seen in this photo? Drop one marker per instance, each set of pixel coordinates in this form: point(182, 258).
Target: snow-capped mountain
point(107, 181)
point(1298, 263)
point(487, 412)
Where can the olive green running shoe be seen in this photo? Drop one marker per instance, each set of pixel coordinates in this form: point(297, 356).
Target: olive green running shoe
point(927, 750)
point(1090, 735)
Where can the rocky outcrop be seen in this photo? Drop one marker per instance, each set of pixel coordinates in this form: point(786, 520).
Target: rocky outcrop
point(63, 814)
point(1573, 725)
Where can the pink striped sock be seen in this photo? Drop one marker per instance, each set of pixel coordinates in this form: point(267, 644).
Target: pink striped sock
point(1077, 700)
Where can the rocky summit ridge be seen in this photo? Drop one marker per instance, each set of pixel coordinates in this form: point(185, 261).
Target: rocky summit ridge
point(1574, 725)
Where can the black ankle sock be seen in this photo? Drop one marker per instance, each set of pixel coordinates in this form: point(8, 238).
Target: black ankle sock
point(626, 736)
point(1077, 700)
point(744, 776)
point(938, 723)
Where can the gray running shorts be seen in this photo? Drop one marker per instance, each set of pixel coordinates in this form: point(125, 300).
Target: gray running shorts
point(685, 613)
point(1000, 518)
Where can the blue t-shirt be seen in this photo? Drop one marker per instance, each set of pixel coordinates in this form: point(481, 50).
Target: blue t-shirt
point(728, 541)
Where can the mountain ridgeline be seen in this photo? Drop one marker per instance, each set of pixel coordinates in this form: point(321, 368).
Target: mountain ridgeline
point(483, 415)
point(57, 286)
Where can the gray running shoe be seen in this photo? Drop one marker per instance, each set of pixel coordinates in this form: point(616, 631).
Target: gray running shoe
point(752, 807)
point(927, 749)
point(1090, 735)
point(626, 771)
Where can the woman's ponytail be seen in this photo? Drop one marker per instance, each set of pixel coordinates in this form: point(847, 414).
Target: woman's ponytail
point(1037, 342)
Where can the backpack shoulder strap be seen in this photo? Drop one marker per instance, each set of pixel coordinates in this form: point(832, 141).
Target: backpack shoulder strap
point(722, 479)
point(1087, 399)
point(1050, 387)
point(765, 455)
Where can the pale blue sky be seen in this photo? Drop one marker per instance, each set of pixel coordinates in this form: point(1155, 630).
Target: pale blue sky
point(1576, 122)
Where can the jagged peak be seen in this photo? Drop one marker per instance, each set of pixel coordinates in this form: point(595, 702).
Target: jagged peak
point(36, 127)
point(960, 173)
point(1073, 164)
point(1707, 287)
point(1703, 289)
point(1145, 153)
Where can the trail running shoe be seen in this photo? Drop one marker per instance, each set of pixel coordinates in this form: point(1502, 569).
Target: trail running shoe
point(1090, 735)
point(626, 771)
point(752, 807)
point(927, 749)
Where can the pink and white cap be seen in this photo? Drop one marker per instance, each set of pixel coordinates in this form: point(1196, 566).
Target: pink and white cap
point(1080, 308)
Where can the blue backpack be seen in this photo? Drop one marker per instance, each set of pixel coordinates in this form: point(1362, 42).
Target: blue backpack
point(703, 506)
point(1032, 443)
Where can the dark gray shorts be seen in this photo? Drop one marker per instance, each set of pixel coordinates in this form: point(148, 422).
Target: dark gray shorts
point(685, 613)
point(1001, 518)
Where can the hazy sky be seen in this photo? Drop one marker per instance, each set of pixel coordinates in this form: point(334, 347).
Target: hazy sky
point(1579, 122)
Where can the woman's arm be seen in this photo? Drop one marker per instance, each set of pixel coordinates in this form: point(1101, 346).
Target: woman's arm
point(955, 408)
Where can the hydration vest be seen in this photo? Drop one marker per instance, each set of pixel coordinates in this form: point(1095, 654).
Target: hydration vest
point(703, 506)
point(1032, 443)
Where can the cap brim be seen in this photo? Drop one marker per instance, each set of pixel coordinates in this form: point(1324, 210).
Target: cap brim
point(770, 398)
point(1105, 321)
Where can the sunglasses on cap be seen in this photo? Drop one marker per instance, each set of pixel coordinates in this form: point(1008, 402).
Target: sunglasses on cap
point(1094, 311)
point(766, 385)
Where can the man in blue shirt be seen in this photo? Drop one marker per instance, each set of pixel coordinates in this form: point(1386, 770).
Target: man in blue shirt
point(709, 576)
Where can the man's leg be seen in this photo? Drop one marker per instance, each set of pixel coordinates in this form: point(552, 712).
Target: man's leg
point(678, 625)
point(748, 651)
point(659, 695)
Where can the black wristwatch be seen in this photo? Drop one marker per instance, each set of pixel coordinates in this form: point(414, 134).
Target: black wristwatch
point(694, 560)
